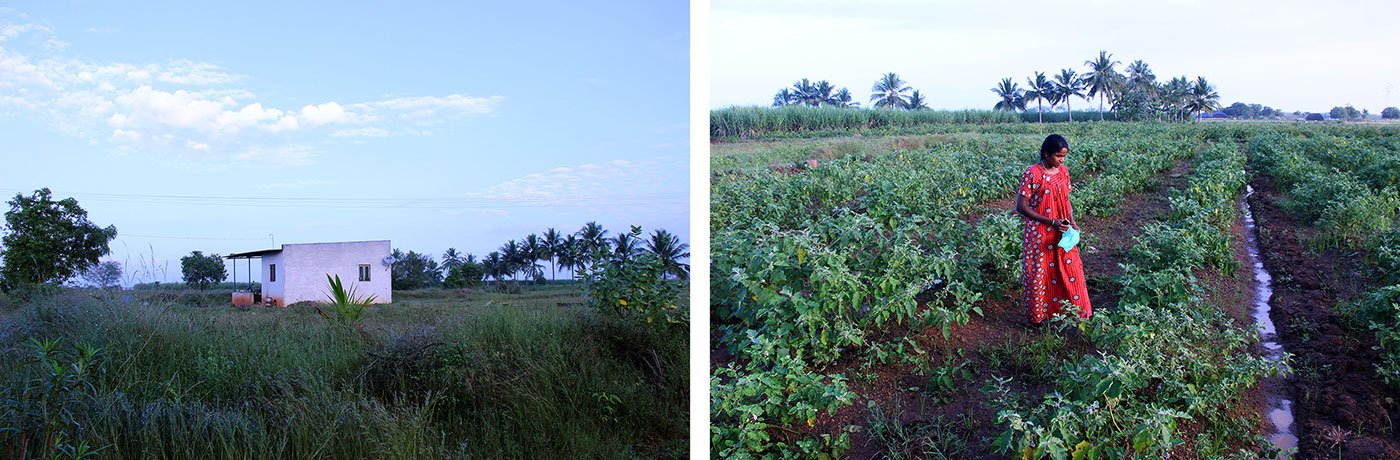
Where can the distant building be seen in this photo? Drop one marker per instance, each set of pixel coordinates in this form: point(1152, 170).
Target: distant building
point(297, 272)
point(1314, 116)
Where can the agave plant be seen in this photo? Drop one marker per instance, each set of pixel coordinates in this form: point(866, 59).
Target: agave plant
point(347, 305)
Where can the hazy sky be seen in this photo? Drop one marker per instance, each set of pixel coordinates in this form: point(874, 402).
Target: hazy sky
point(1291, 55)
point(227, 127)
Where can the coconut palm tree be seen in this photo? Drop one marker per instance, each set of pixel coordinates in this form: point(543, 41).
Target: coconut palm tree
point(784, 97)
point(552, 241)
point(450, 260)
point(670, 250)
point(889, 92)
point(842, 98)
point(491, 266)
point(533, 251)
point(1067, 85)
point(1012, 98)
point(1040, 89)
point(567, 253)
point(1140, 77)
point(1202, 97)
point(592, 240)
point(1173, 96)
point(1099, 80)
point(510, 258)
point(625, 246)
point(916, 101)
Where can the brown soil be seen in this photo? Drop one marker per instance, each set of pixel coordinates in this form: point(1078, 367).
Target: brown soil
point(1340, 401)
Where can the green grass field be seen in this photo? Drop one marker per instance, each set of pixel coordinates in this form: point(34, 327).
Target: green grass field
point(436, 374)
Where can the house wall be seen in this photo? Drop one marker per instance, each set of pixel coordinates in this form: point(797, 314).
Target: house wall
point(273, 292)
point(303, 273)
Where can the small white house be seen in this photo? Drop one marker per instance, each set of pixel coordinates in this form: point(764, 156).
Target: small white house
point(297, 272)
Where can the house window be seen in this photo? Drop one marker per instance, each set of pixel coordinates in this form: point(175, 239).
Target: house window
point(364, 272)
point(272, 273)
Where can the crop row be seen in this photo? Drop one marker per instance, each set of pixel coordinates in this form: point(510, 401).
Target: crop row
point(1350, 194)
point(805, 263)
point(1165, 357)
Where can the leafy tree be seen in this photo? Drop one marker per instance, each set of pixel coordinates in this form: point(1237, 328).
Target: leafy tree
point(1040, 89)
point(415, 271)
point(1012, 98)
point(103, 275)
point(1101, 77)
point(201, 271)
point(1345, 113)
point(463, 275)
point(889, 92)
point(1390, 113)
point(669, 250)
point(49, 241)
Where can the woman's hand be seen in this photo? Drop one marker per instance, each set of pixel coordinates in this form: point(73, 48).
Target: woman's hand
point(1062, 225)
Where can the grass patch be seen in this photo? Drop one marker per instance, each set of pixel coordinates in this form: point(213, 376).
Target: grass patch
point(446, 374)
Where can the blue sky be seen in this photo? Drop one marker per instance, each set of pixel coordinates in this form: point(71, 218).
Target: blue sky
point(228, 127)
point(1287, 54)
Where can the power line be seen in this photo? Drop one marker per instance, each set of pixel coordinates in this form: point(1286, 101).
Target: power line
point(189, 237)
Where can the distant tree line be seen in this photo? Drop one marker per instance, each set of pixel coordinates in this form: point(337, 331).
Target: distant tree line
point(1134, 94)
point(889, 93)
point(523, 260)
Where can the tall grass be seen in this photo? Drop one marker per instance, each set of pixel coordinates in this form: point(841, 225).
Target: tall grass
point(750, 122)
point(457, 375)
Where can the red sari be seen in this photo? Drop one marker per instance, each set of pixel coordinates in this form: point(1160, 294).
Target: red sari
point(1050, 275)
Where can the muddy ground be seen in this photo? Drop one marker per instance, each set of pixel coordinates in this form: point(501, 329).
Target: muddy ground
point(1341, 405)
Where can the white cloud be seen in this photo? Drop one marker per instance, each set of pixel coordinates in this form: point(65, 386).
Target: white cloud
point(125, 135)
point(288, 155)
point(327, 113)
point(425, 106)
point(185, 72)
point(368, 131)
point(191, 108)
point(616, 182)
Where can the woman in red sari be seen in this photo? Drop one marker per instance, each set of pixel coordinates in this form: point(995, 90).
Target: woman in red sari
point(1051, 275)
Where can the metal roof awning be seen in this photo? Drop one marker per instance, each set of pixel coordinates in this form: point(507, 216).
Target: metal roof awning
point(252, 254)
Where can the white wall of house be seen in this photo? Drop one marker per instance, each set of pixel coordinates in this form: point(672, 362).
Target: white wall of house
point(273, 291)
point(303, 269)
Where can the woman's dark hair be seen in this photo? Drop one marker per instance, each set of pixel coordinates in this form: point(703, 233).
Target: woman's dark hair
point(1053, 143)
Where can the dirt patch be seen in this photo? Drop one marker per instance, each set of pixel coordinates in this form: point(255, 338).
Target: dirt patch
point(1341, 402)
